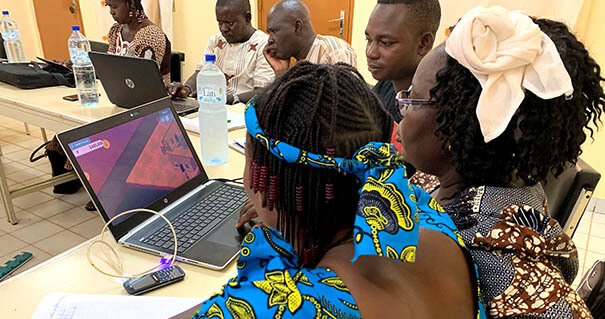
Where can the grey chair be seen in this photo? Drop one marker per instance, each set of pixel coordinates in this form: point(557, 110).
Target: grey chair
point(569, 194)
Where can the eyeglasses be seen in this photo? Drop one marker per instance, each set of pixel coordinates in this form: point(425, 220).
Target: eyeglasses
point(404, 103)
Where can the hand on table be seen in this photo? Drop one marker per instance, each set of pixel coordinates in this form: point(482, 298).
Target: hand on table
point(178, 89)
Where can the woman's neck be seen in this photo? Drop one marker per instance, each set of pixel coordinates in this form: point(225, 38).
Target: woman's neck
point(134, 26)
point(336, 248)
point(450, 184)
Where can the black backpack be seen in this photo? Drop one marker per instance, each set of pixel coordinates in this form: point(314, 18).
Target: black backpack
point(32, 75)
point(592, 289)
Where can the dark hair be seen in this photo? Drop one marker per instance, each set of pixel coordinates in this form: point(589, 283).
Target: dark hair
point(426, 13)
point(324, 109)
point(136, 4)
point(543, 137)
point(243, 5)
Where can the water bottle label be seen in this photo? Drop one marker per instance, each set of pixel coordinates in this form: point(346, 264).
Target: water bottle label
point(211, 94)
point(78, 56)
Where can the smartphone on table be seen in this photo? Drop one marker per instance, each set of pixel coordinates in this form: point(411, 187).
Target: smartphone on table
point(72, 98)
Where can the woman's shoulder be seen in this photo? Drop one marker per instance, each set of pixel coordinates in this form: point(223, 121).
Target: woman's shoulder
point(151, 30)
point(518, 207)
point(270, 283)
point(115, 28)
point(263, 243)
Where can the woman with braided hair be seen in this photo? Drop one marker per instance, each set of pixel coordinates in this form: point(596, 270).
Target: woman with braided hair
point(345, 235)
point(505, 102)
point(134, 34)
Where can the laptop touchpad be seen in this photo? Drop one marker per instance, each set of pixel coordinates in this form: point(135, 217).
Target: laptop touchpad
point(227, 234)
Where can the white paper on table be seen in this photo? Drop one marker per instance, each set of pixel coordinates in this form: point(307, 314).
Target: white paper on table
point(80, 306)
point(234, 121)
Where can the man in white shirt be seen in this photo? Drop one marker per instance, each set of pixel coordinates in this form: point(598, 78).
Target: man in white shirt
point(239, 54)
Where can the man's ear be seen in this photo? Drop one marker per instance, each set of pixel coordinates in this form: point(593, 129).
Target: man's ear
point(248, 16)
point(298, 26)
point(425, 44)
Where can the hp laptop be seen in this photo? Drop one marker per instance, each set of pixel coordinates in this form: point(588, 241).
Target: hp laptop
point(142, 158)
point(132, 81)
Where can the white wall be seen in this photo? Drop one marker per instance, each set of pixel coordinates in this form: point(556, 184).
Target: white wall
point(22, 11)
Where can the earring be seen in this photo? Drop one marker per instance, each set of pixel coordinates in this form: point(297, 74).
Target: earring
point(141, 16)
point(449, 147)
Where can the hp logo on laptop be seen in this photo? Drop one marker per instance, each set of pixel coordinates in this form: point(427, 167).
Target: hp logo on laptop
point(129, 83)
point(165, 200)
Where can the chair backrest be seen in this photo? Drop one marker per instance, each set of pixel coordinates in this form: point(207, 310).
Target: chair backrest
point(2, 50)
point(568, 195)
point(176, 66)
point(99, 46)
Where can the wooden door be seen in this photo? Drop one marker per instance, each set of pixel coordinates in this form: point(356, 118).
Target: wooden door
point(55, 18)
point(333, 17)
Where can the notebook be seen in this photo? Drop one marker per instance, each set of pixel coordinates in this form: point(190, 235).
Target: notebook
point(132, 81)
point(142, 158)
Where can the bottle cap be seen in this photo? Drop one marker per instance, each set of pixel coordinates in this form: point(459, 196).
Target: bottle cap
point(75, 28)
point(4, 13)
point(210, 58)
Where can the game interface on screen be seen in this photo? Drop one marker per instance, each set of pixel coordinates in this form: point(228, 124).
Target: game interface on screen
point(136, 163)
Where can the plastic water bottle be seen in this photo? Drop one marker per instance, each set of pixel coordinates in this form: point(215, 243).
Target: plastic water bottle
point(211, 94)
point(84, 72)
point(12, 39)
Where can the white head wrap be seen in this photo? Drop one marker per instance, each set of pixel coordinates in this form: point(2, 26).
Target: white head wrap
point(507, 53)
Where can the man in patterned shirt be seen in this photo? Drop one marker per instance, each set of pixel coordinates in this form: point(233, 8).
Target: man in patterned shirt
point(291, 35)
point(239, 54)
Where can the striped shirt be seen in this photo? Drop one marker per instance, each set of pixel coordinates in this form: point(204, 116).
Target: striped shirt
point(331, 50)
point(244, 64)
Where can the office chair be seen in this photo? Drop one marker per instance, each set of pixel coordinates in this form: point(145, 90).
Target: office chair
point(96, 46)
point(176, 66)
point(568, 195)
point(2, 50)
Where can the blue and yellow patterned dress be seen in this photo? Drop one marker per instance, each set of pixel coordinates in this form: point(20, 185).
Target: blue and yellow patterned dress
point(271, 283)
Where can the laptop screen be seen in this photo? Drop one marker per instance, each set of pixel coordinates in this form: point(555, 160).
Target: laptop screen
point(136, 163)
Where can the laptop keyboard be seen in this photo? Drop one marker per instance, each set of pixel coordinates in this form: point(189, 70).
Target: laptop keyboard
point(182, 107)
point(198, 220)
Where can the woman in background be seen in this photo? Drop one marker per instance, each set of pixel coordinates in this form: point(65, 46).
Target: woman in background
point(134, 34)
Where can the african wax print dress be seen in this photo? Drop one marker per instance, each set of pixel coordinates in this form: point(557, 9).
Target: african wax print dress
point(270, 282)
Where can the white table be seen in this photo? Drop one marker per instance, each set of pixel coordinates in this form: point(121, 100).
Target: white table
point(70, 271)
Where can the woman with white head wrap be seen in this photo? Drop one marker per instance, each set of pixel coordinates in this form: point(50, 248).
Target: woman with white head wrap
point(493, 112)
